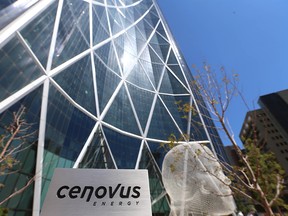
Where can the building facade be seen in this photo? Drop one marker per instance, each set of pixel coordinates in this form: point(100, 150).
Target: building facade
point(100, 82)
point(271, 125)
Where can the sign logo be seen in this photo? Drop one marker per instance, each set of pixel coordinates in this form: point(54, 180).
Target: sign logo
point(87, 191)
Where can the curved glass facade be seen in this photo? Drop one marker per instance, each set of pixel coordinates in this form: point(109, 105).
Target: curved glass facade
point(100, 81)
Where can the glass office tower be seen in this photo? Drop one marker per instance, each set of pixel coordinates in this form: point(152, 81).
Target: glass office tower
point(100, 81)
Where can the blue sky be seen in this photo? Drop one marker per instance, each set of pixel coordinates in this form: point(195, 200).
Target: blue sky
point(249, 37)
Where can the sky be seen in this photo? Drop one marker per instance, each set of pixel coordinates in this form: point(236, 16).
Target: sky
point(247, 37)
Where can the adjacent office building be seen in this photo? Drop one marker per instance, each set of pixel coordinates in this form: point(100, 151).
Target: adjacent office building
point(270, 123)
point(100, 82)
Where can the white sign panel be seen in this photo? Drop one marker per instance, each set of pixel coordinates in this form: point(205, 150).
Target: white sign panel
point(90, 192)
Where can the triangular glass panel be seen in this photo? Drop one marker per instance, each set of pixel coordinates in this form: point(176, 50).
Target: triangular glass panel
point(128, 13)
point(160, 29)
point(119, 43)
point(126, 17)
point(73, 32)
point(162, 126)
point(80, 14)
point(131, 32)
point(154, 57)
point(160, 46)
point(158, 151)
point(130, 43)
point(158, 39)
point(158, 70)
point(145, 29)
point(164, 47)
point(136, 36)
point(107, 81)
point(121, 115)
point(42, 28)
point(132, 14)
point(128, 59)
point(142, 101)
point(100, 24)
point(154, 12)
point(172, 60)
point(124, 149)
point(127, 42)
point(77, 82)
point(107, 54)
point(147, 162)
point(171, 85)
point(97, 154)
point(176, 107)
point(153, 71)
point(17, 68)
point(67, 128)
point(161, 50)
point(139, 78)
point(141, 8)
point(152, 17)
point(178, 72)
point(117, 20)
point(145, 55)
point(128, 63)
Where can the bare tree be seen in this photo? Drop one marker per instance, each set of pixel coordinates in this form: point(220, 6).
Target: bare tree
point(259, 178)
point(16, 138)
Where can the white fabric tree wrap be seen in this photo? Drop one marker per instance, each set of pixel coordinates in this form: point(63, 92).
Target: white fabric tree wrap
point(195, 182)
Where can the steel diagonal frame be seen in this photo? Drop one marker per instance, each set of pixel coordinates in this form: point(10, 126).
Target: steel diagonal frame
point(43, 116)
point(104, 112)
point(191, 92)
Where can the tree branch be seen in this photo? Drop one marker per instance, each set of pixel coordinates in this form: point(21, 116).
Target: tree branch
point(18, 191)
point(278, 190)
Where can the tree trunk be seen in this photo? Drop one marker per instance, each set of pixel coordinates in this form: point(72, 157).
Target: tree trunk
point(268, 210)
point(265, 203)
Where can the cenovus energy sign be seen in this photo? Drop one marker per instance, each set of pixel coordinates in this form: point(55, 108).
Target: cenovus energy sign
point(88, 192)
